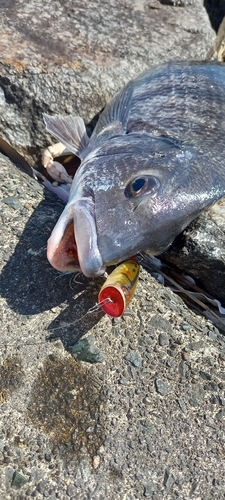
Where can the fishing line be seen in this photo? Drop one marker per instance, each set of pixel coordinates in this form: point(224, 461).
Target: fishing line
point(149, 264)
point(114, 296)
point(97, 307)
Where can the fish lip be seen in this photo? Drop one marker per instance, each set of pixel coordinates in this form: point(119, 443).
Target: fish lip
point(58, 246)
point(73, 244)
point(86, 237)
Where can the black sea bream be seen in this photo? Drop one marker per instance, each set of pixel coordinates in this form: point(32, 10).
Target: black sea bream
point(154, 161)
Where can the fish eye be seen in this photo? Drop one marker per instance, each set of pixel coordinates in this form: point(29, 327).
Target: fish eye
point(142, 185)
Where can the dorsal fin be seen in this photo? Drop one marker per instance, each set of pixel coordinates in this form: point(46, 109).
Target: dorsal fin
point(116, 113)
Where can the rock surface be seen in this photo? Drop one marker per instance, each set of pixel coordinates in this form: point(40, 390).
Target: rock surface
point(148, 421)
point(200, 251)
point(73, 58)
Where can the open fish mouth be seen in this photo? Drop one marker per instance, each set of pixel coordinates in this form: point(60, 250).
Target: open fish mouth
point(73, 243)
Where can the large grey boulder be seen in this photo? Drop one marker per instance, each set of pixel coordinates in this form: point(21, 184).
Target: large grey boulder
point(67, 57)
point(200, 251)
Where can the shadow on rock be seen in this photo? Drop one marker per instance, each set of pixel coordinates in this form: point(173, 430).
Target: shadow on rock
point(216, 12)
point(31, 286)
point(76, 319)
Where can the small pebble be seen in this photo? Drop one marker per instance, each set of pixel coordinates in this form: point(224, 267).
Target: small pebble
point(85, 350)
point(162, 387)
point(186, 356)
point(194, 402)
point(186, 327)
point(161, 323)
point(96, 461)
point(122, 381)
point(222, 356)
point(182, 405)
point(12, 202)
point(163, 339)
point(85, 468)
point(205, 376)
point(18, 481)
point(71, 491)
point(134, 358)
point(220, 415)
point(133, 373)
point(148, 490)
point(183, 368)
point(196, 346)
point(168, 480)
point(211, 386)
point(212, 335)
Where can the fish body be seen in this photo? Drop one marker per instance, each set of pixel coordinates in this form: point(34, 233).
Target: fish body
point(154, 162)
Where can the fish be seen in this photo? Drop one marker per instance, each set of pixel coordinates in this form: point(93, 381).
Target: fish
point(153, 163)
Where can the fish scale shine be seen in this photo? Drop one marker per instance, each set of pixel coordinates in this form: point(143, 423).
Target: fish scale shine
point(154, 162)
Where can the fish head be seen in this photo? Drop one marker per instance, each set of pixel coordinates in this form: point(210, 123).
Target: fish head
point(131, 195)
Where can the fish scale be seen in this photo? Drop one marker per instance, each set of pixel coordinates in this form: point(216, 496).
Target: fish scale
point(154, 162)
point(185, 103)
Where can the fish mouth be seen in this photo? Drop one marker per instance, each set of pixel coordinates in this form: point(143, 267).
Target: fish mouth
point(73, 243)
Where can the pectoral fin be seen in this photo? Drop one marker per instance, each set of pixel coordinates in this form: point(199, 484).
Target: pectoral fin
point(70, 130)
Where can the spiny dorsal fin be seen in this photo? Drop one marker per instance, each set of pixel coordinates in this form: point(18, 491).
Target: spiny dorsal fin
point(70, 130)
point(116, 113)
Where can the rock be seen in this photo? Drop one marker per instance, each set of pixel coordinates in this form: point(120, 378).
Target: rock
point(211, 386)
point(205, 375)
point(161, 324)
point(182, 405)
point(96, 461)
point(71, 491)
point(18, 481)
point(85, 469)
point(134, 358)
point(168, 480)
point(78, 62)
point(212, 335)
point(12, 202)
point(162, 387)
point(9, 473)
point(197, 346)
point(163, 339)
point(148, 490)
point(220, 415)
point(200, 251)
point(196, 396)
point(85, 350)
point(186, 327)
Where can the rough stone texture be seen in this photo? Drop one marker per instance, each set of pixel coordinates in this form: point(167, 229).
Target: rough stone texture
point(73, 429)
point(73, 58)
point(200, 251)
point(144, 423)
point(85, 350)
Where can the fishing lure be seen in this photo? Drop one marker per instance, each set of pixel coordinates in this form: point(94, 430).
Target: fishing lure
point(119, 288)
